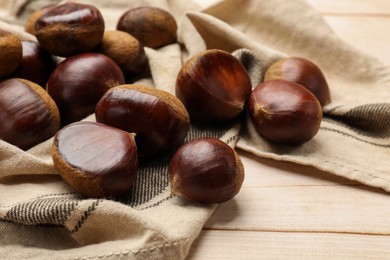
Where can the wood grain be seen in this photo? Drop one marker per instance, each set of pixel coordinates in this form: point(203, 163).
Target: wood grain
point(214, 244)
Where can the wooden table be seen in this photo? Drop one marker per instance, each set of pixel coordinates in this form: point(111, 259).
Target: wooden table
point(289, 211)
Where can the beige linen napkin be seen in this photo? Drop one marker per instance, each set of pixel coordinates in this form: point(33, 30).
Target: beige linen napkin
point(41, 217)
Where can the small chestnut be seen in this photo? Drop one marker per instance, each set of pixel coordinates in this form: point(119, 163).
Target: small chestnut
point(285, 112)
point(36, 64)
point(206, 170)
point(153, 27)
point(78, 82)
point(28, 115)
point(96, 160)
point(70, 28)
point(126, 51)
point(158, 119)
point(10, 54)
point(301, 71)
point(214, 86)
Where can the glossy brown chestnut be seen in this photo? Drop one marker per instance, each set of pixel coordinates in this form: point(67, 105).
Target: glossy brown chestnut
point(70, 28)
point(285, 112)
point(96, 160)
point(214, 86)
point(206, 170)
point(126, 51)
point(153, 27)
point(29, 26)
point(28, 115)
point(10, 54)
point(36, 64)
point(159, 120)
point(77, 84)
point(301, 71)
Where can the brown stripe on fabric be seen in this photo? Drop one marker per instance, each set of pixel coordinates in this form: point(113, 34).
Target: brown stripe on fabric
point(354, 137)
point(371, 120)
point(42, 211)
point(85, 215)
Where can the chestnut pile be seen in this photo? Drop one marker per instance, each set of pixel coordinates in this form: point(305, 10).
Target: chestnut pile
point(40, 99)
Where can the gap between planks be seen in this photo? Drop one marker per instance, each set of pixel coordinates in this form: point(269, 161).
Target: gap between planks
point(262, 230)
point(360, 15)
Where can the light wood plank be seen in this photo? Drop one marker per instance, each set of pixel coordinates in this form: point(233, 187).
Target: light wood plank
point(213, 244)
point(351, 6)
point(351, 209)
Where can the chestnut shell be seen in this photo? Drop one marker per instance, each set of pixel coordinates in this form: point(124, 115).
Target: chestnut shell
point(96, 160)
point(285, 112)
point(206, 170)
point(70, 28)
point(36, 64)
point(28, 115)
point(159, 120)
point(77, 84)
point(126, 51)
point(10, 54)
point(214, 86)
point(152, 26)
point(303, 72)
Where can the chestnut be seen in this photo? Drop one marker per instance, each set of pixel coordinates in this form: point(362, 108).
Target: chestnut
point(29, 25)
point(36, 64)
point(285, 112)
point(78, 82)
point(96, 160)
point(126, 51)
point(301, 71)
point(206, 170)
point(28, 115)
point(214, 86)
point(10, 54)
point(158, 119)
point(152, 26)
point(70, 28)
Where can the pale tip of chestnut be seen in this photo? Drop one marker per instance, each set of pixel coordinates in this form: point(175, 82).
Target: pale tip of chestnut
point(10, 54)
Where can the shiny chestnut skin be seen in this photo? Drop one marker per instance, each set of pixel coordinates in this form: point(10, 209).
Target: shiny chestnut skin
point(78, 82)
point(36, 64)
point(70, 28)
point(96, 160)
point(10, 54)
point(285, 112)
point(153, 27)
point(126, 51)
point(206, 170)
point(214, 86)
point(301, 71)
point(28, 115)
point(158, 119)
